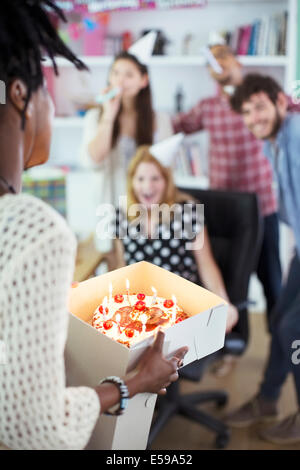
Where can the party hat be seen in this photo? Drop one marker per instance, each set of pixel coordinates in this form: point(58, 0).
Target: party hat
point(165, 151)
point(143, 48)
point(215, 38)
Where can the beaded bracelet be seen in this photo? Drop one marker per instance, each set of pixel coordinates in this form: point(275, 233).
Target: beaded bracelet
point(124, 394)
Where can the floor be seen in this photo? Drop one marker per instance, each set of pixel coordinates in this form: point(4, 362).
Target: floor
point(241, 384)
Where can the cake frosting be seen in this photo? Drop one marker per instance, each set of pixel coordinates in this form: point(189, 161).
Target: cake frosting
point(131, 318)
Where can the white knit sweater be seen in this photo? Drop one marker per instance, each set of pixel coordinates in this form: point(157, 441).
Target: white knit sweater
point(37, 253)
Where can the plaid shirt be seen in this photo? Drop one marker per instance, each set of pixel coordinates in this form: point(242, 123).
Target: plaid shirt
point(236, 159)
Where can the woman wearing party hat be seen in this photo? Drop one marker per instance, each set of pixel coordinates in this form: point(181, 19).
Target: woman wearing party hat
point(124, 121)
point(164, 226)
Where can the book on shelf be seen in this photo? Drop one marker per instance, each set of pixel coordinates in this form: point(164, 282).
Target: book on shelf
point(244, 40)
point(265, 36)
point(190, 160)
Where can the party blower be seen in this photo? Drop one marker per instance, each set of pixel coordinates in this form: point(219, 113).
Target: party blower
point(101, 99)
point(212, 60)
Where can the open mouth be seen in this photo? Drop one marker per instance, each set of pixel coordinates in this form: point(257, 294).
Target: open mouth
point(148, 197)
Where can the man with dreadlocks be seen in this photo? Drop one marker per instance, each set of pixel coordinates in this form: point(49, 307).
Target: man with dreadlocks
point(37, 252)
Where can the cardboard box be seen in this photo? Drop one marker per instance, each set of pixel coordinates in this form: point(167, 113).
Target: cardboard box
point(90, 355)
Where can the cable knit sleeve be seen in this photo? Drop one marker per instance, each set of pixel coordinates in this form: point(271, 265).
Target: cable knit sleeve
point(36, 265)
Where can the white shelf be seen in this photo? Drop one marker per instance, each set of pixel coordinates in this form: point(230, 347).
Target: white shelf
point(193, 182)
point(62, 122)
point(167, 61)
point(264, 61)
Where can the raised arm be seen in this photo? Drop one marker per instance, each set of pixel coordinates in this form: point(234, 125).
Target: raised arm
point(101, 144)
point(189, 122)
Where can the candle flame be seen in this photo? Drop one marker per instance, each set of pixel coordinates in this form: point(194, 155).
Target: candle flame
point(174, 299)
point(154, 290)
point(105, 302)
point(127, 284)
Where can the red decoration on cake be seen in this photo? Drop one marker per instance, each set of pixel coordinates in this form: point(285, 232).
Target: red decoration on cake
point(101, 309)
point(168, 303)
point(129, 332)
point(107, 325)
point(140, 305)
point(119, 298)
point(141, 296)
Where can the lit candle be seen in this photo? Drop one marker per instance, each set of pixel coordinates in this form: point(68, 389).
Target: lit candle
point(174, 309)
point(154, 296)
point(144, 318)
point(118, 319)
point(104, 306)
point(110, 289)
point(127, 290)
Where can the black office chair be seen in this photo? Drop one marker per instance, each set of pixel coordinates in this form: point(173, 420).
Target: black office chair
point(235, 229)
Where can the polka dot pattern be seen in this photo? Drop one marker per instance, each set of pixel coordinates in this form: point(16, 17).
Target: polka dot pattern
point(167, 250)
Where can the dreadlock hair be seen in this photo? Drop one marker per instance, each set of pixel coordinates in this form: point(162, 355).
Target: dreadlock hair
point(252, 84)
point(26, 34)
point(143, 105)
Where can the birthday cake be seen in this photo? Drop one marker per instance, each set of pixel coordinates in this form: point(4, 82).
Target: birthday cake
point(131, 318)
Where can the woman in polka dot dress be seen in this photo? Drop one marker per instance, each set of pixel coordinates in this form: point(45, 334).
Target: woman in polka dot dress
point(166, 227)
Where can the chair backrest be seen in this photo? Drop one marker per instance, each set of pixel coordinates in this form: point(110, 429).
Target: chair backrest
point(234, 225)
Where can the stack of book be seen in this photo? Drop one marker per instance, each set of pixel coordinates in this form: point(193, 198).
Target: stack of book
point(190, 160)
point(265, 36)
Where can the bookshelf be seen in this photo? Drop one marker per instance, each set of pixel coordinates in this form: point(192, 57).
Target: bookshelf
point(280, 62)
point(169, 71)
point(169, 61)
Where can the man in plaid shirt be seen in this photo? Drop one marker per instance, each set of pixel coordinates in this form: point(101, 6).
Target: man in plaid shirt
point(236, 162)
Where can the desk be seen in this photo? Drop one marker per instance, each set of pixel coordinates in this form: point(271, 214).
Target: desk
point(87, 260)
